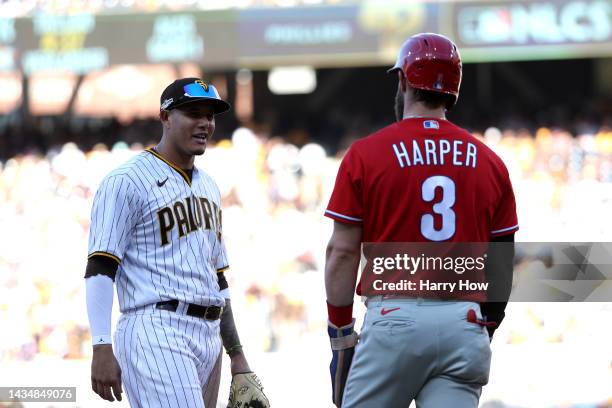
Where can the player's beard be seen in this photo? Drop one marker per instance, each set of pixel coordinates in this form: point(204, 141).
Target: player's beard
point(399, 105)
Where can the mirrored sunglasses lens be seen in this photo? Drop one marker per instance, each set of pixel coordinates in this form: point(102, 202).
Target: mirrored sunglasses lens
point(195, 90)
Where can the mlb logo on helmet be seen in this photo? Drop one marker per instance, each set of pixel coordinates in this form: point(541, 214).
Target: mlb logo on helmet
point(431, 124)
point(439, 82)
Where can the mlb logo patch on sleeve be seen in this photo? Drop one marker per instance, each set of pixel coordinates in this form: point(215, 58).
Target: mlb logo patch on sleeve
point(431, 124)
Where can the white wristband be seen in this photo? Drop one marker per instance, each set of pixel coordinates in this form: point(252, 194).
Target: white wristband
point(101, 339)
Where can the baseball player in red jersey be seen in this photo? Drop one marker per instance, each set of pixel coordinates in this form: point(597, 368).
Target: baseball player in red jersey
point(421, 179)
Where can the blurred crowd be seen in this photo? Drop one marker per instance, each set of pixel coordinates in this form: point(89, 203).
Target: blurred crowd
point(274, 195)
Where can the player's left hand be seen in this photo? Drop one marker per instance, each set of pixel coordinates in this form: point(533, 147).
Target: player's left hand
point(246, 391)
point(343, 341)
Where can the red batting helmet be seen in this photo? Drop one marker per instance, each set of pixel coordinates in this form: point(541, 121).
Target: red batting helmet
point(431, 62)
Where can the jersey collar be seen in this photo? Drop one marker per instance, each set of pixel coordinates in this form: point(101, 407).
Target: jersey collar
point(169, 163)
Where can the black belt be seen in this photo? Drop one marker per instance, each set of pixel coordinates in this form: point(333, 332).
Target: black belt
point(206, 312)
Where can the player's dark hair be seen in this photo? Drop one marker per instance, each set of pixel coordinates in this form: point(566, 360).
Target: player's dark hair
point(433, 100)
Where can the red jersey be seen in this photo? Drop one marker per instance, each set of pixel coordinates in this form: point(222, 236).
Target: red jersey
point(424, 180)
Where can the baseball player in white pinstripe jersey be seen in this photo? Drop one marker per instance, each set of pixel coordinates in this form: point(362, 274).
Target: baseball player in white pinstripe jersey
point(156, 233)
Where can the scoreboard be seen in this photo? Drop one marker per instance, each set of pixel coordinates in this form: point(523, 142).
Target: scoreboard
point(365, 33)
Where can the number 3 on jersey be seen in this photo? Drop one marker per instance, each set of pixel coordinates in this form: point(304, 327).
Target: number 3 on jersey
point(442, 208)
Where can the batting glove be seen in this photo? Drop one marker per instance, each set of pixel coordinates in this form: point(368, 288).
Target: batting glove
point(343, 341)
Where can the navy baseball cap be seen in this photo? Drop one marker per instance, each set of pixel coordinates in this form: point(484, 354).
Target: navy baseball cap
point(188, 90)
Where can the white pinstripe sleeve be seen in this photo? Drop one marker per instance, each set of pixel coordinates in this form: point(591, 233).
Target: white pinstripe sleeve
point(220, 256)
point(113, 217)
point(222, 264)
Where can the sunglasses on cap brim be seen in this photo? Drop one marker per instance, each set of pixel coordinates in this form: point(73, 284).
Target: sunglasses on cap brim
point(196, 92)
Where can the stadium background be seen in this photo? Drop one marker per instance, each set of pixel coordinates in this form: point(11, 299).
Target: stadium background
point(80, 88)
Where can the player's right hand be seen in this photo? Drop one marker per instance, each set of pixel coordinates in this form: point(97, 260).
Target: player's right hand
point(105, 373)
point(343, 340)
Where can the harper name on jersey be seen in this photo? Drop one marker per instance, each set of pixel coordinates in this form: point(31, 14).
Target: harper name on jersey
point(436, 152)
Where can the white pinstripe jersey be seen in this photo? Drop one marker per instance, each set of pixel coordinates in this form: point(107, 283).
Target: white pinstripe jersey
point(163, 229)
